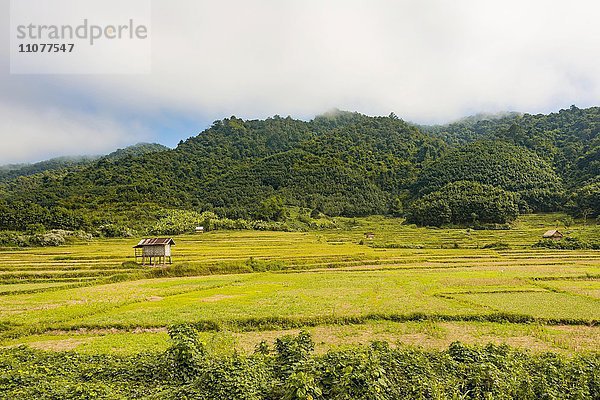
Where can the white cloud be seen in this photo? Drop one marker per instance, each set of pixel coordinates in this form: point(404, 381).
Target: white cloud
point(428, 61)
point(424, 60)
point(39, 133)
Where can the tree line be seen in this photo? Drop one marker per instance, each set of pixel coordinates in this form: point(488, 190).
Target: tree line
point(478, 170)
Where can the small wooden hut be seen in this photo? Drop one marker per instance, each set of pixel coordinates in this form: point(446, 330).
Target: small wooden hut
point(369, 235)
point(154, 250)
point(552, 234)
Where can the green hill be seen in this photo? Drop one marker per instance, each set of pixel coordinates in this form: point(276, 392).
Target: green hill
point(12, 171)
point(339, 163)
point(497, 163)
point(569, 139)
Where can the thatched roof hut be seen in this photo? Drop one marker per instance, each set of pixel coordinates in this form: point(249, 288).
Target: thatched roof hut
point(553, 234)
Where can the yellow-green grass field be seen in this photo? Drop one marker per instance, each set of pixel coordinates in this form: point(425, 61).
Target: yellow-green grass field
point(410, 286)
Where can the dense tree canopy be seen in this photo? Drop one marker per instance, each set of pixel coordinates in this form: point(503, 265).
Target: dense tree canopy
point(465, 202)
point(500, 164)
point(337, 164)
point(586, 201)
point(569, 139)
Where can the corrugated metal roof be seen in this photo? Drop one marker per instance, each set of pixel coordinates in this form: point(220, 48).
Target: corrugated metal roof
point(155, 242)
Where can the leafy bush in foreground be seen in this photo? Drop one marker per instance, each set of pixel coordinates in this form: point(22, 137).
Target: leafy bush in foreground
point(292, 371)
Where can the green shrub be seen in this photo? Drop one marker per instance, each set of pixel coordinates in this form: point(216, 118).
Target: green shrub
point(237, 377)
point(293, 371)
point(56, 237)
point(13, 239)
point(292, 352)
point(496, 246)
point(36, 228)
point(264, 265)
point(48, 239)
point(567, 243)
point(186, 353)
point(115, 231)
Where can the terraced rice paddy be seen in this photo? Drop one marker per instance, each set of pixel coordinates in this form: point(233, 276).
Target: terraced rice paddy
point(410, 286)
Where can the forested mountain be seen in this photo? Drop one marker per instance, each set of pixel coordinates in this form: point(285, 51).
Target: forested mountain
point(569, 139)
point(339, 163)
point(497, 163)
point(12, 171)
point(136, 150)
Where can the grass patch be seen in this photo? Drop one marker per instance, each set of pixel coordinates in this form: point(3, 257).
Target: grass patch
point(264, 281)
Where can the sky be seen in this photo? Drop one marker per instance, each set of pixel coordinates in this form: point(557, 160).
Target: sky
point(428, 61)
